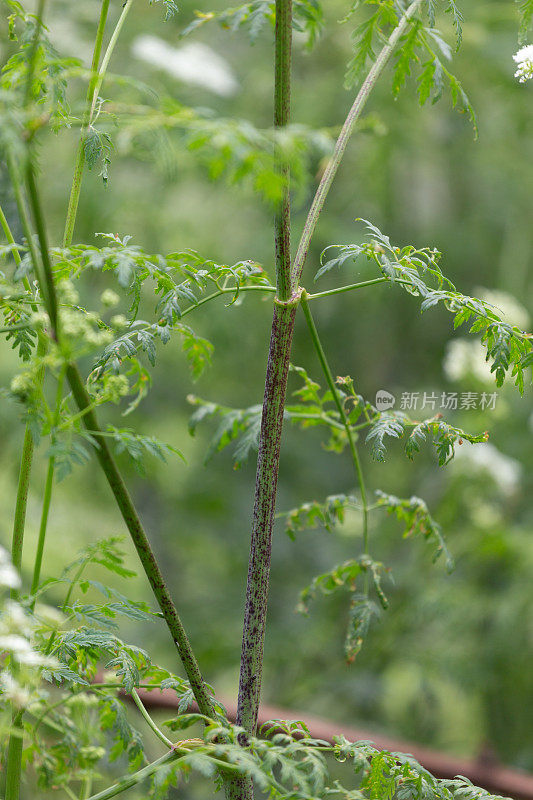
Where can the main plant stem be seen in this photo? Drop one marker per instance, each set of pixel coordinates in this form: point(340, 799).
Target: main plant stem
point(273, 404)
point(288, 278)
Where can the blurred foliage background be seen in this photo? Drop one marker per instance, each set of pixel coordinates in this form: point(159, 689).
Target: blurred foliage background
point(449, 664)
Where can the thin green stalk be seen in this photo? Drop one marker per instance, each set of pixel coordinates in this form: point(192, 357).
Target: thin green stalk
point(115, 480)
point(149, 721)
point(137, 777)
point(33, 52)
point(21, 503)
point(340, 408)
point(68, 791)
point(109, 52)
point(47, 499)
point(349, 288)
point(80, 154)
point(87, 787)
point(17, 184)
point(16, 740)
point(344, 136)
point(277, 372)
point(174, 755)
point(9, 236)
point(48, 288)
point(282, 106)
point(142, 545)
point(14, 757)
point(11, 328)
point(229, 290)
point(353, 286)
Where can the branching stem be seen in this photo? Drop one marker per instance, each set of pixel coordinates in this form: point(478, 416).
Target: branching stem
point(148, 719)
point(344, 136)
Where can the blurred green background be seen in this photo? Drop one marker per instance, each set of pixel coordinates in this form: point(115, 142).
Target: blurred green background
point(449, 664)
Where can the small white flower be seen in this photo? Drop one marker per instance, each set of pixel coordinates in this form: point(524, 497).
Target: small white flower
point(505, 471)
point(109, 298)
point(524, 59)
point(119, 321)
point(465, 358)
point(194, 63)
point(13, 619)
point(11, 690)
point(9, 577)
point(505, 304)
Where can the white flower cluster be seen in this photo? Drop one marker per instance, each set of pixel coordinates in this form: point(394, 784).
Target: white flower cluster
point(506, 472)
point(466, 358)
point(16, 633)
point(9, 577)
point(194, 63)
point(524, 59)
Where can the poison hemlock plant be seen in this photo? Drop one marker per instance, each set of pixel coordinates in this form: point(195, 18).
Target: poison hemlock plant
point(59, 714)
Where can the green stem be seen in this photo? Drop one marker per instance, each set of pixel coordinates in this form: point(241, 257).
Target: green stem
point(229, 290)
point(174, 755)
point(15, 746)
point(21, 503)
point(148, 719)
point(47, 499)
point(272, 416)
point(87, 787)
point(33, 52)
point(80, 154)
point(115, 480)
point(108, 53)
point(282, 105)
point(340, 408)
point(349, 288)
point(14, 757)
point(142, 545)
point(9, 236)
point(11, 328)
point(137, 777)
point(16, 184)
point(344, 136)
point(47, 286)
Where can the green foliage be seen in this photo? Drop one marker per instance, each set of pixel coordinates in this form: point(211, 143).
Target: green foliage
point(415, 45)
point(365, 36)
point(414, 512)
point(231, 150)
point(75, 721)
point(395, 425)
point(314, 514)
point(97, 147)
point(252, 17)
point(241, 425)
point(348, 576)
point(508, 348)
point(136, 446)
point(171, 7)
point(525, 9)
